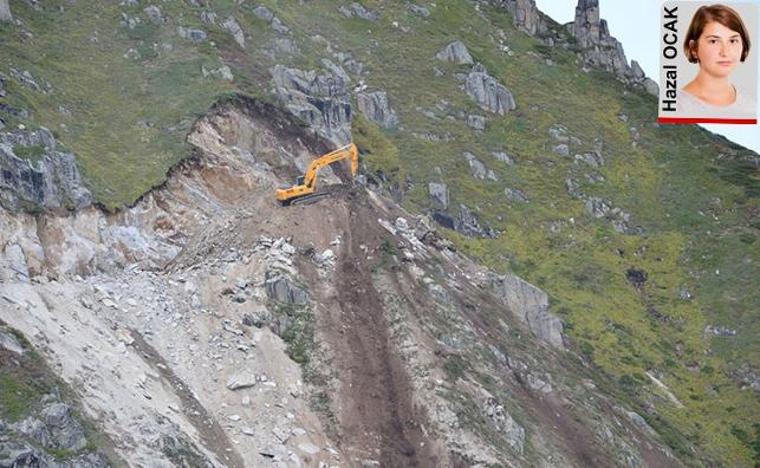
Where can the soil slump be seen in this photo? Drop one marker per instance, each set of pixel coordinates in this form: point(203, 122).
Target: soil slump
point(377, 411)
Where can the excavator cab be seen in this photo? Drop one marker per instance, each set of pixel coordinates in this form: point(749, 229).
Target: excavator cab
point(306, 185)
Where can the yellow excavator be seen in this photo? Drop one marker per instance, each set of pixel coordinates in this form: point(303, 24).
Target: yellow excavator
point(306, 185)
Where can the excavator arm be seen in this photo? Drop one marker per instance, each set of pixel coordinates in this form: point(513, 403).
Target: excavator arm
point(307, 184)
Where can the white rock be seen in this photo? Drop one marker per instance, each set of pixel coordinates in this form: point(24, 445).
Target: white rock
point(309, 448)
point(242, 380)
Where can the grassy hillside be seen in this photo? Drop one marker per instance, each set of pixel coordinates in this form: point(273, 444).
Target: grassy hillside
point(123, 98)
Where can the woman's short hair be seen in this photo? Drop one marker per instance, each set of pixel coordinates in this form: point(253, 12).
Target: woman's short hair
point(722, 14)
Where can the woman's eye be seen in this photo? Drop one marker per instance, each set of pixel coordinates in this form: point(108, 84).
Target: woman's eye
point(711, 41)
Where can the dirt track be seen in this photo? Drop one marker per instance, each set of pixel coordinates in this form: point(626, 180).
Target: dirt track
point(377, 416)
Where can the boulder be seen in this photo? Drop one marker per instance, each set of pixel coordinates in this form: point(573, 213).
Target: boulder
point(597, 207)
point(651, 86)
point(375, 107)
point(55, 428)
point(477, 168)
point(233, 27)
point(439, 192)
point(195, 35)
point(279, 26)
point(321, 100)
point(47, 179)
point(487, 92)
point(476, 122)
point(9, 342)
point(531, 305)
point(356, 10)
point(264, 13)
point(512, 431)
point(155, 15)
point(467, 223)
point(515, 195)
point(562, 149)
point(503, 157)
point(279, 288)
point(593, 159)
point(419, 10)
point(455, 52)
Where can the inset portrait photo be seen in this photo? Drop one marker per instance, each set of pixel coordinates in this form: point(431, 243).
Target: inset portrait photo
point(709, 65)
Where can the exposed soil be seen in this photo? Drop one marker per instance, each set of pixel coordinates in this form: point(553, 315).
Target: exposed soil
point(377, 417)
point(211, 432)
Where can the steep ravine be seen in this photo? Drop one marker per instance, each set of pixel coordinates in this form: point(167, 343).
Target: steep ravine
point(178, 323)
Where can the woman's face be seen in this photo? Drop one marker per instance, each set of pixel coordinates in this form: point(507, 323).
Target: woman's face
point(719, 50)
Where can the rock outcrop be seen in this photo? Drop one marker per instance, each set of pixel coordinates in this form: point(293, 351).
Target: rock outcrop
point(601, 50)
point(439, 192)
point(465, 222)
point(46, 178)
point(5, 12)
point(375, 107)
point(487, 92)
point(455, 52)
point(357, 10)
point(525, 15)
point(321, 100)
point(531, 305)
point(233, 27)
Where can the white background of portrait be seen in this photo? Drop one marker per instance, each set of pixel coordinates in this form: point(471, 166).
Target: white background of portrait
point(636, 24)
point(744, 75)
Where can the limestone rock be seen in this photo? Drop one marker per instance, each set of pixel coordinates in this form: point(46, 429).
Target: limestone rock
point(358, 11)
point(597, 207)
point(525, 15)
point(466, 223)
point(241, 380)
point(56, 428)
point(593, 159)
point(439, 192)
point(51, 182)
point(513, 432)
point(598, 48)
point(9, 341)
point(419, 10)
point(503, 157)
point(478, 169)
point(455, 52)
point(195, 35)
point(264, 13)
point(281, 289)
point(476, 122)
point(515, 195)
point(562, 150)
point(155, 15)
point(233, 27)
point(531, 305)
point(651, 86)
point(487, 92)
point(5, 12)
point(321, 100)
point(375, 107)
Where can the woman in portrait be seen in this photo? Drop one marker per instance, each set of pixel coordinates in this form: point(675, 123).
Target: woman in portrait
point(718, 41)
